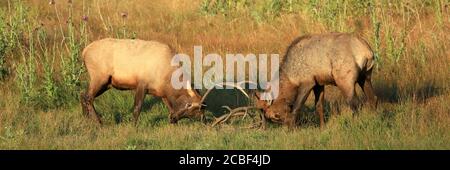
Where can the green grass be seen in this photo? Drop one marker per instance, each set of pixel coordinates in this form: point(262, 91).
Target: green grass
point(41, 74)
point(407, 125)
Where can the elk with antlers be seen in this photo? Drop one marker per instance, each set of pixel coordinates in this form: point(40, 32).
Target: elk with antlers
point(310, 63)
point(142, 66)
point(313, 61)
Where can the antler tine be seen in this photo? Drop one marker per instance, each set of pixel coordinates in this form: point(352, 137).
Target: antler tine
point(239, 111)
point(205, 95)
point(227, 107)
point(228, 84)
point(235, 86)
point(247, 81)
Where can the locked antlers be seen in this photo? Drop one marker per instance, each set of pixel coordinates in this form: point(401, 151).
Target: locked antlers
point(245, 111)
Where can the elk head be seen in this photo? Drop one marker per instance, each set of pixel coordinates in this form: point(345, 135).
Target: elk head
point(186, 104)
point(278, 110)
point(191, 107)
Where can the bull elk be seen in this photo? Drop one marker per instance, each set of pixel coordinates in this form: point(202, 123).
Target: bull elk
point(313, 61)
point(142, 66)
point(310, 63)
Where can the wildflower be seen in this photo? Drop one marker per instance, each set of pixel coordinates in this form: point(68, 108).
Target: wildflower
point(85, 18)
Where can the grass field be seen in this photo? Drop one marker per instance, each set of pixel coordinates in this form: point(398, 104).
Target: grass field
point(41, 74)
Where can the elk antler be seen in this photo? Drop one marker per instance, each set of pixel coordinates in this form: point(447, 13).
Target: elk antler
point(240, 111)
point(237, 86)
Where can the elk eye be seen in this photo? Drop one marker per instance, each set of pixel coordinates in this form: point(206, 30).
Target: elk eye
point(277, 116)
point(188, 105)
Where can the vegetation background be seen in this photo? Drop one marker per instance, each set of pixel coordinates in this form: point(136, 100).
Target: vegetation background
point(41, 74)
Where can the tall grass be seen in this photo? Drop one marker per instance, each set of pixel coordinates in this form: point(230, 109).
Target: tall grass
point(51, 94)
point(10, 27)
point(222, 7)
point(37, 78)
point(3, 47)
point(27, 72)
point(43, 74)
point(71, 64)
point(376, 29)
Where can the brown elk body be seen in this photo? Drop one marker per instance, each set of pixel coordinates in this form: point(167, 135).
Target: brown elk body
point(142, 66)
point(313, 61)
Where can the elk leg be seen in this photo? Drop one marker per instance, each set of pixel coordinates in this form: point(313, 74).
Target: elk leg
point(169, 106)
point(84, 103)
point(319, 102)
point(102, 90)
point(138, 101)
point(348, 89)
point(366, 85)
point(96, 88)
point(303, 92)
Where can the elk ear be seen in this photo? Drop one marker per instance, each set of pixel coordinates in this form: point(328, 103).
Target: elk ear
point(271, 99)
point(190, 86)
point(197, 92)
point(257, 95)
point(260, 103)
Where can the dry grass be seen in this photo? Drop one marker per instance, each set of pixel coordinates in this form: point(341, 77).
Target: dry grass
point(411, 78)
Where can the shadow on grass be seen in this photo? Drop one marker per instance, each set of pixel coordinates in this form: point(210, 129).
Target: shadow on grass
point(308, 117)
point(389, 92)
point(149, 102)
point(234, 98)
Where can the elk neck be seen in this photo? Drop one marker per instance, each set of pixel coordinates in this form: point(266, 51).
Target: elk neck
point(288, 91)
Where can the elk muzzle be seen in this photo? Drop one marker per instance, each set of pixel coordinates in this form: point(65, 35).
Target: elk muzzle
point(173, 119)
